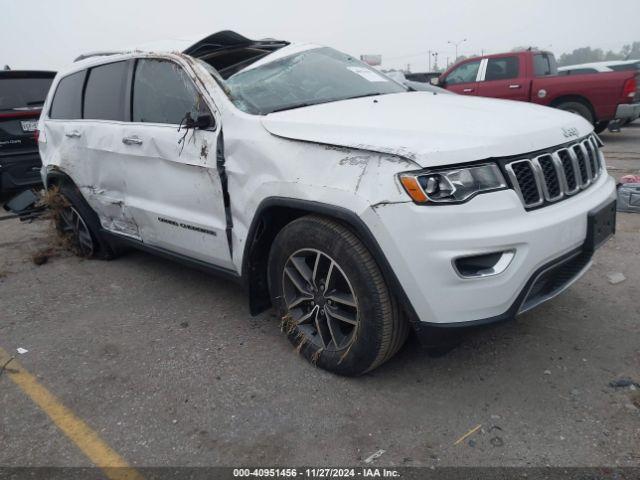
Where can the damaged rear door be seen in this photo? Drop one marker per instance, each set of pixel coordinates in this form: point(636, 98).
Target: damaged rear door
point(174, 191)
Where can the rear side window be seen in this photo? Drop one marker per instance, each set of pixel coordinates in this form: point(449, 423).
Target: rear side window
point(67, 101)
point(163, 93)
point(23, 92)
point(544, 65)
point(502, 68)
point(104, 93)
point(464, 73)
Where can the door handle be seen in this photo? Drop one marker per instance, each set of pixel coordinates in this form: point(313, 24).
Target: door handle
point(467, 90)
point(514, 86)
point(132, 140)
point(73, 134)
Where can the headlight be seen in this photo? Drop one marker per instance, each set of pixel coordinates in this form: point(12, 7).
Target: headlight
point(452, 185)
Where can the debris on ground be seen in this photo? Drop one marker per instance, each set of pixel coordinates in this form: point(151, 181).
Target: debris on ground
point(21, 350)
point(624, 382)
point(547, 372)
point(616, 278)
point(468, 434)
point(497, 442)
point(41, 257)
point(25, 205)
point(374, 456)
point(629, 197)
point(630, 179)
point(3, 367)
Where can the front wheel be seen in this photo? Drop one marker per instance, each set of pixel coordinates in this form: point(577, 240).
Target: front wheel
point(332, 298)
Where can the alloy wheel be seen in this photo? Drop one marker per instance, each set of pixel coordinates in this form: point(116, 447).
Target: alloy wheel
point(320, 299)
point(74, 227)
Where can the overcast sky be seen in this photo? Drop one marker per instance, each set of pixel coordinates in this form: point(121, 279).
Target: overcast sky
point(47, 34)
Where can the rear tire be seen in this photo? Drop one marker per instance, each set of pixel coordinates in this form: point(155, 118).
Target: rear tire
point(578, 108)
point(79, 226)
point(334, 303)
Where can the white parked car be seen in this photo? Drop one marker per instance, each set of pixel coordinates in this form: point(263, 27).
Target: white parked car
point(355, 207)
point(600, 67)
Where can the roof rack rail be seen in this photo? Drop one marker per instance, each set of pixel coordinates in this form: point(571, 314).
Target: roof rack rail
point(84, 56)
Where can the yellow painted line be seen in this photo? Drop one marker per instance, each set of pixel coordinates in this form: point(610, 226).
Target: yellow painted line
point(87, 440)
point(468, 434)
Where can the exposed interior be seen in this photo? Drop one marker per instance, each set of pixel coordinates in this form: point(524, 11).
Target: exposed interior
point(229, 52)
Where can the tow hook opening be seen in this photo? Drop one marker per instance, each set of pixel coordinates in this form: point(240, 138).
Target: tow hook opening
point(486, 265)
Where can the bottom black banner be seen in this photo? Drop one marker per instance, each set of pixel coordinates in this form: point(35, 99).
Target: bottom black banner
point(202, 473)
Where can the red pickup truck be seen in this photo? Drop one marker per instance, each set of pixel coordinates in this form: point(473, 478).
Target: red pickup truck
point(532, 76)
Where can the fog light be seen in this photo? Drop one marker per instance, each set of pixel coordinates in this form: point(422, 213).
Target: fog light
point(478, 266)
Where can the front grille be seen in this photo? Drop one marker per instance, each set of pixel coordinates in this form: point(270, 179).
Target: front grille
point(550, 175)
point(555, 175)
point(527, 182)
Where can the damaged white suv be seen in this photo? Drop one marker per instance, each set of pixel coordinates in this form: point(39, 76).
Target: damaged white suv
point(358, 208)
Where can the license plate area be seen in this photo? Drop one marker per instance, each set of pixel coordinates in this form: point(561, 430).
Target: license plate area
point(601, 225)
point(29, 125)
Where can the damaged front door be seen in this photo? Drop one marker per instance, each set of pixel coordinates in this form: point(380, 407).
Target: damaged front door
point(173, 188)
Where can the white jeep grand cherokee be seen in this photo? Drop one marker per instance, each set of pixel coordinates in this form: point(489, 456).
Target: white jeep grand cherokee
point(354, 206)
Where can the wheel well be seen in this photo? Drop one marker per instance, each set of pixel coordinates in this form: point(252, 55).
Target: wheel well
point(261, 236)
point(575, 98)
point(275, 213)
point(56, 177)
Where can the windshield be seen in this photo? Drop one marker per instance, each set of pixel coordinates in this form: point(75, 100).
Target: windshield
point(311, 77)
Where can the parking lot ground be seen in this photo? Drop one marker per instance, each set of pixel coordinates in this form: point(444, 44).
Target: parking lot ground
point(168, 368)
point(622, 150)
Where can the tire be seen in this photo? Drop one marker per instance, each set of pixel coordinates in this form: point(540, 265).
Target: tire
point(601, 126)
point(79, 226)
point(352, 324)
point(578, 108)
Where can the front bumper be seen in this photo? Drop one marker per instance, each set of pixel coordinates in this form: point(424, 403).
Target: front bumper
point(20, 171)
point(420, 243)
point(628, 111)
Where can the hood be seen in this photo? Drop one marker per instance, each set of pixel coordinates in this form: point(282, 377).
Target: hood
point(431, 130)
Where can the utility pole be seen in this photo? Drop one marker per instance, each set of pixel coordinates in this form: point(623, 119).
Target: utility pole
point(456, 44)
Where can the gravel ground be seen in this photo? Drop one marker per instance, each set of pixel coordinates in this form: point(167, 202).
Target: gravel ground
point(166, 364)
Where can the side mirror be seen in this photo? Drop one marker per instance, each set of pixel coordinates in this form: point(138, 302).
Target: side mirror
point(203, 122)
point(435, 81)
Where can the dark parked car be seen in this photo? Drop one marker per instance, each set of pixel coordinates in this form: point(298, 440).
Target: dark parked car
point(22, 94)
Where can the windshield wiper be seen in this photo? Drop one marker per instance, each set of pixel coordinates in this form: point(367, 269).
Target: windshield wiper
point(298, 105)
point(375, 94)
point(311, 104)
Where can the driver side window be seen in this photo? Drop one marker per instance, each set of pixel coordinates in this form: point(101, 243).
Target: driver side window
point(465, 73)
point(164, 93)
